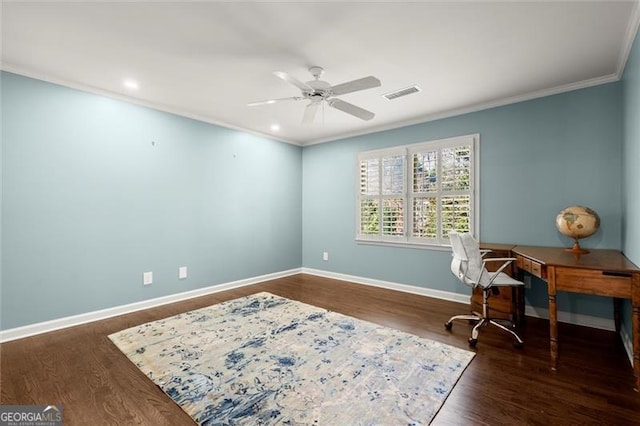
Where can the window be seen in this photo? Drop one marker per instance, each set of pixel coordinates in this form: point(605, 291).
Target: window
point(416, 194)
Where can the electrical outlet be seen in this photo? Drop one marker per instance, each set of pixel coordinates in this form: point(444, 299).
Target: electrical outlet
point(147, 278)
point(527, 281)
point(182, 272)
point(325, 256)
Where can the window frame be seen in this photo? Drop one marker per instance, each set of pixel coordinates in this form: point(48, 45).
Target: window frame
point(407, 151)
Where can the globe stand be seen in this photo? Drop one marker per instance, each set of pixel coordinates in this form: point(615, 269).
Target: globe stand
point(577, 222)
point(576, 249)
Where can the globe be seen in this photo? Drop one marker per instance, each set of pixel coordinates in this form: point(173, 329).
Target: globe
point(577, 222)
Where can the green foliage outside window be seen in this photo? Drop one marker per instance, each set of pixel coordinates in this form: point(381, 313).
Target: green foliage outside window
point(439, 198)
point(369, 217)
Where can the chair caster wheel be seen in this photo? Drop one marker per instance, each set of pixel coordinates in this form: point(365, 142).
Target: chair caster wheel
point(518, 345)
point(448, 325)
point(473, 342)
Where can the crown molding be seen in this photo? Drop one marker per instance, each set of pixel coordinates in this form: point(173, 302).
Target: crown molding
point(130, 99)
point(610, 78)
point(629, 38)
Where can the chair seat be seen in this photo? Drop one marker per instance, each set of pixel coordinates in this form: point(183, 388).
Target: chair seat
point(504, 280)
point(468, 265)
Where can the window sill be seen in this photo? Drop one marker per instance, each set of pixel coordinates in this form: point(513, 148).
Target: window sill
point(403, 244)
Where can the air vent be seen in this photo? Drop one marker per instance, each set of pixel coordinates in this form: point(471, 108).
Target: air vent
point(402, 92)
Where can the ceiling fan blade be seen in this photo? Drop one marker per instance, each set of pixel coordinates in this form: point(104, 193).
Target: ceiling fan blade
point(273, 101)
point(351, 109)
point(292, 80)
point(355, 85)
point(310, 113)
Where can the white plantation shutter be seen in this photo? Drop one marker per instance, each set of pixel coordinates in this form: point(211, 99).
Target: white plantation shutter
point(382, 195)
point(369, 204)
point(424, 163)
point(370, 176)
point(393, 195)
point(418, 193)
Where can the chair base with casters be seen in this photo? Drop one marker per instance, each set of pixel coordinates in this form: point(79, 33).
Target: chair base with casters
point(469, 266)
point(484, 320)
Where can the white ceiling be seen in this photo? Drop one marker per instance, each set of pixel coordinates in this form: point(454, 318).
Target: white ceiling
point(207, 60)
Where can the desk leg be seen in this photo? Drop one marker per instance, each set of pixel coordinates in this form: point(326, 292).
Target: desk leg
point(616, 313)
point(635, 327)
point(553, 317)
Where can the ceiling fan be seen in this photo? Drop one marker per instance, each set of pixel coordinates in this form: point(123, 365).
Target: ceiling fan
point(318, 91)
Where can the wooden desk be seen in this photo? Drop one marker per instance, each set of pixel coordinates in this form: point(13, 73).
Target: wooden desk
point(601, 272)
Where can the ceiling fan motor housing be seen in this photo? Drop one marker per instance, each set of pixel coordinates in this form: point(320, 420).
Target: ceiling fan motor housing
point(318, 90)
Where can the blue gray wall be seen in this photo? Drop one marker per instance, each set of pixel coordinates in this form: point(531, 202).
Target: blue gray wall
point(631, 163)
point(97, 191)
point(536, 157)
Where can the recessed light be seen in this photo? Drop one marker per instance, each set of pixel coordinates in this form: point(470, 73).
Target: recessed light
point(275, 127)
point(130, 84)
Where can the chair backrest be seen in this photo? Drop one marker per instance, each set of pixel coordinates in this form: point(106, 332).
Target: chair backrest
point(459, 262)
point(467, 263)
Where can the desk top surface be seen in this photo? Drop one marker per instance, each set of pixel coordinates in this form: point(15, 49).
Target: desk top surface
point(603, 259)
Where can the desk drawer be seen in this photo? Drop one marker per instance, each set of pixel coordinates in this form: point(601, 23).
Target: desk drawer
point(531, 266)
point(588, 281)
point(536, 269)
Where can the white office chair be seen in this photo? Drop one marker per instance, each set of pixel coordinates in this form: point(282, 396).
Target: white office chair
point(468, 266)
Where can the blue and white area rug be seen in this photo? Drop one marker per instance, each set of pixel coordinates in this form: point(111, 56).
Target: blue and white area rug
point(264, 359)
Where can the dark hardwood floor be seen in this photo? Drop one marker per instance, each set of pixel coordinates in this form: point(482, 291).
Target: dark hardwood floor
point(96, 384)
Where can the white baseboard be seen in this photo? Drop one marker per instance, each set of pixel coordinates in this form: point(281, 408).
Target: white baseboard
point(572, 318)
point(422, 291)
point(57, 324)
point(586, 320)
point(532, 311)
